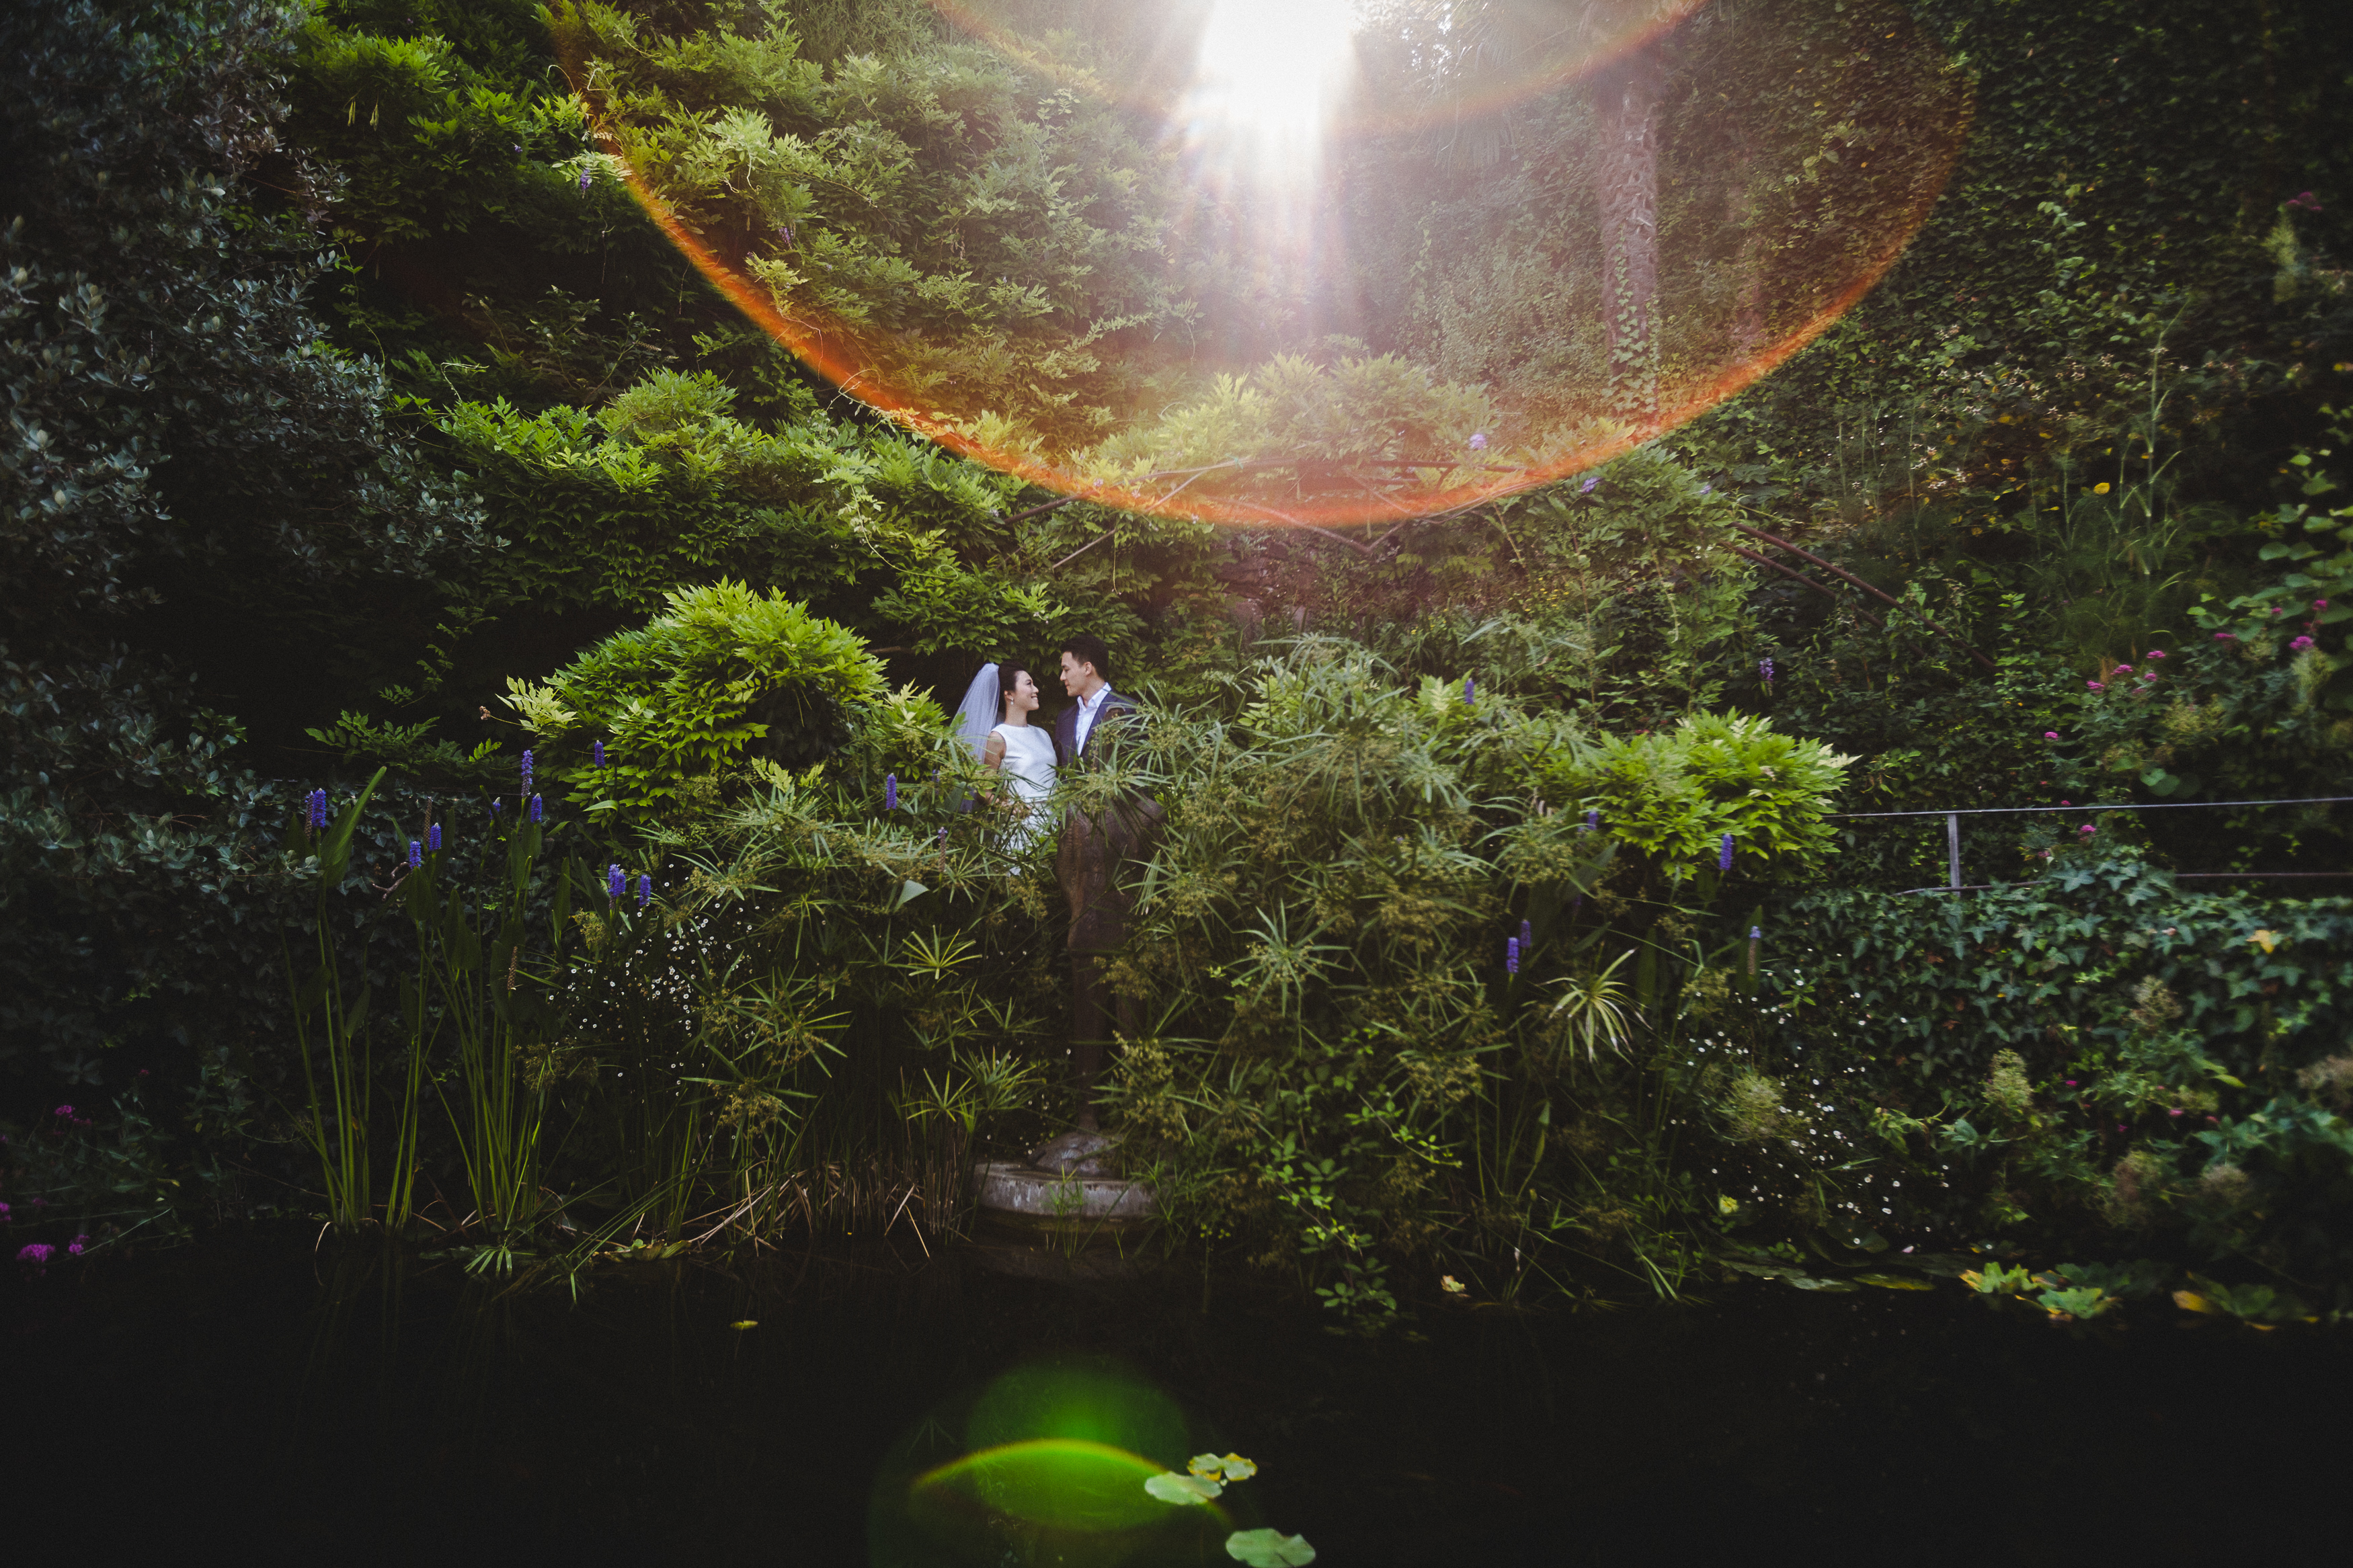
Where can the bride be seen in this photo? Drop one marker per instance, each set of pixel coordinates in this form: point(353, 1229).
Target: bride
point(994, 722)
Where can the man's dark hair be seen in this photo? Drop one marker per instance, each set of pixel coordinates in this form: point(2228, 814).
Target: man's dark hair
point(1088, 648)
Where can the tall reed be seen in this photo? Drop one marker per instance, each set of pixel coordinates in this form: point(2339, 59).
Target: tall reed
point(331, 1026)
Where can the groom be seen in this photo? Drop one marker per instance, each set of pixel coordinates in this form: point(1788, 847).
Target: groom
point(1086, 676)
point(1093, 847)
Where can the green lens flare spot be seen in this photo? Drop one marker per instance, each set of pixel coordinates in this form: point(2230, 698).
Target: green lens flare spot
point(1065, 1483)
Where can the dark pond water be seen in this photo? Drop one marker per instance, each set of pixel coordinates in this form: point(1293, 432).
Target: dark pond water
point(239, 1401)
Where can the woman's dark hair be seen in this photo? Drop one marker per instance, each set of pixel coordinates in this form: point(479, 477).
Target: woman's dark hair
point(1009, 675)
point(1088, 648)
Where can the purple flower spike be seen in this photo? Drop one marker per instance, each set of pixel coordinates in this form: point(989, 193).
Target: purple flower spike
point(415, 854)
point(616, 882)
point(584, 179)
point(535, 809)
point(1724, 855)
point(1511, 955)
point(1592, 820)
point(1587, 487)
point(645, 889)
point(1755, 933)
point(890, 792)
point(497, 806)
point(1765, 670)
point(433, 838)
point(1479, 440)
point(1470, 690)
point(1527, 937)
point(598, 751)
point(1707, 489)
point(318, 808)
point(526, 772)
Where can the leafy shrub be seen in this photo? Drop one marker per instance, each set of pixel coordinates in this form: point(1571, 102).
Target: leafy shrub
point(1378, 935)
point(724, 675)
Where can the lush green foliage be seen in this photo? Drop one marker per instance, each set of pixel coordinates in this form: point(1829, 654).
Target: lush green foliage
point(2086, 416)
point(2101, 1047)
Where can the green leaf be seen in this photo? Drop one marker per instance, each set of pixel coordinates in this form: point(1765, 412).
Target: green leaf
point(1894, 1282)
point(1230, 1468)
point(1170, 1487)
point(1269, 1548)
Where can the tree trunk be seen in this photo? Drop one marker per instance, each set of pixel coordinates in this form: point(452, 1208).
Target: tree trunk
point(1627, 96)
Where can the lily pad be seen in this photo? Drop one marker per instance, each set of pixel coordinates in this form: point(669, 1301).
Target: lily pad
point(1894, 1281)
point(1170, 1487)
point(1766, 1270)
point(1862, 1238)
point(1944, 1265)
point(1829, 1286)
point(1231, 1468)
point(1269, 1548)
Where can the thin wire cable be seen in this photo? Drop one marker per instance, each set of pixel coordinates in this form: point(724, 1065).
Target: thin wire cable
point(2145, 806)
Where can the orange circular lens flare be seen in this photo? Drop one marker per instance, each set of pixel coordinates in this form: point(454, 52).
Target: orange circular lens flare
point(1476, 295)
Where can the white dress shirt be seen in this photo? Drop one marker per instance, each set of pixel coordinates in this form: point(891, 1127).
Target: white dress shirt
point(1088, 708)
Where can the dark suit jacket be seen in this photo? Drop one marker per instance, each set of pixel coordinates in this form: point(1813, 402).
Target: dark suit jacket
point(1066, 748)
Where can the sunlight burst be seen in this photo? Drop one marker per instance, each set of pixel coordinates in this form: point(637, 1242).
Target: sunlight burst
point(1269, 75)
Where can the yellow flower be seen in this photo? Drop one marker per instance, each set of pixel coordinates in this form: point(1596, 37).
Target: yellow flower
point(2101, 489)
point(2266, 940)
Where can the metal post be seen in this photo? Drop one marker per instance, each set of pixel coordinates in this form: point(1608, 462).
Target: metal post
point(1953, 846)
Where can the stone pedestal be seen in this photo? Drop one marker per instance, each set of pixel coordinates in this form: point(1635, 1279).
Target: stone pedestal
point(1071, 1187)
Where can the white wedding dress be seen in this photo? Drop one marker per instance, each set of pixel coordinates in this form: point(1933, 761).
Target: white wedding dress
point(1028, 767)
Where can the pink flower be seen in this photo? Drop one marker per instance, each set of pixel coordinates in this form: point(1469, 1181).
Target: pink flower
point(2123, 669)
point(2299, 645)
point(2320, 603)
point(40, 1252)
point(2049, 734)
point(2087, 827)
point(2157, 653)
point(2224, 636)
point(65, 1110)
point(2095, 686)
